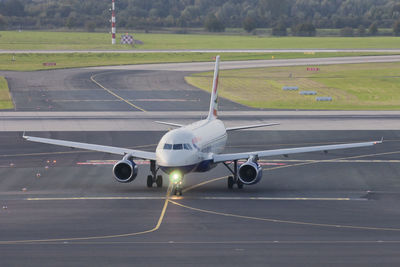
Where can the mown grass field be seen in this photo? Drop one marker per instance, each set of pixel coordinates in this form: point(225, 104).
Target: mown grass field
point(352, 86)
point(32, 40)
point(5, 98)
point(30, 62)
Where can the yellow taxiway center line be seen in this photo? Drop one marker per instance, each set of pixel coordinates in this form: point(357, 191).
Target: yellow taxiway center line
point(286, 221)
point(114, 94)
point(159, 222)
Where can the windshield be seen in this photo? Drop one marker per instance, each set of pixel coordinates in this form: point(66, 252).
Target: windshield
point(167, 146)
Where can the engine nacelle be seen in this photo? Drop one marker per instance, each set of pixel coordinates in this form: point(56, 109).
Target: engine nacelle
point(250, 172)
point(125, 170)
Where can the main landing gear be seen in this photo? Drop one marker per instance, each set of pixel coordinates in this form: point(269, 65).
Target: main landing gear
point(232, 180)
point(154, 178)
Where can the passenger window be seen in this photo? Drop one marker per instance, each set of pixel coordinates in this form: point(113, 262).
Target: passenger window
point(167, 146)
point(178, 146)
point(187, 146)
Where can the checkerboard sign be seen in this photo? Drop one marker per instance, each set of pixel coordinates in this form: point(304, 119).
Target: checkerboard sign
point(126, 39)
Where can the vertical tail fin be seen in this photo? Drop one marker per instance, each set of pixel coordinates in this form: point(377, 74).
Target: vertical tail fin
point(213, 112)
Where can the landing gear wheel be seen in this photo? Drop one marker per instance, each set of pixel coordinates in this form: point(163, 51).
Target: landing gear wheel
point(230, 182)
point(239, 184)
point(149, 181)
point(178, 191)
point(159, 180)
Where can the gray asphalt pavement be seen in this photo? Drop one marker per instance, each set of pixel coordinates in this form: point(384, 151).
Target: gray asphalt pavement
point(336, 209)
point(74, 90)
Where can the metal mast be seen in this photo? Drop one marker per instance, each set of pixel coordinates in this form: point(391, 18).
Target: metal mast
point(113, 29)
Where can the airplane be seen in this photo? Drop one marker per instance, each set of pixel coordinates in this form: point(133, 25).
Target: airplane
point(196, 147)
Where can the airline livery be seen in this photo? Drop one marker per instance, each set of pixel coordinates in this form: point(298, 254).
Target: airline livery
point(196, 147)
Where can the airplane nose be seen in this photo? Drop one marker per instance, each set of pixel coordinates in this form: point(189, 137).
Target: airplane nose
point(170, 158)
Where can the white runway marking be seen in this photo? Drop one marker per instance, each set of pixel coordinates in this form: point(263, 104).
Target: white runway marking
point(197, 198)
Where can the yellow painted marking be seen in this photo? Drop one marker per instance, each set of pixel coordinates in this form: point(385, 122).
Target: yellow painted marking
point(285, 221)
point(203, 183)
point(114, 94)
point(159, 222)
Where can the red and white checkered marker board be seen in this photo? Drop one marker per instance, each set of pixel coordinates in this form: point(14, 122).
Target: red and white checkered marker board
point(126, 39)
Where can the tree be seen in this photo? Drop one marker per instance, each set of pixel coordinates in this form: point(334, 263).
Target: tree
point(279, 29)
point(213, 24)
point(90, 26)
point(396, 28)
point(249, 24)
point(304, 29)
point(3, 23)
point(361, 30)
point(347, 32)
point(373, 28)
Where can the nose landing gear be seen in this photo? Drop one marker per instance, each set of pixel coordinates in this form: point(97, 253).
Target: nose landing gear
point(177, 191)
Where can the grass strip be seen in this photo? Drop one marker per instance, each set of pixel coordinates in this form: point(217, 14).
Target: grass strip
point(5, 97)
point(34, 61)
point(352, 86)
point(36, 40)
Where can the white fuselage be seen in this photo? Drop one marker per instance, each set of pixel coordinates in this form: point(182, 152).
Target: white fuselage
point(189, 148)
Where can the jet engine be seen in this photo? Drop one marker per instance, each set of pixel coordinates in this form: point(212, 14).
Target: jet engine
point(250, 172)
point(125, 170)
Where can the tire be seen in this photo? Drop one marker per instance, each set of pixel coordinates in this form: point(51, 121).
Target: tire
point(239, 184)
point(230, 182)
point(159, 181)
point(179, 192)
point(149, 181)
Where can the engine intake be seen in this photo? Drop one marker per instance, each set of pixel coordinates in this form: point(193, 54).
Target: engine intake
point(125, 170)
point(250, 172)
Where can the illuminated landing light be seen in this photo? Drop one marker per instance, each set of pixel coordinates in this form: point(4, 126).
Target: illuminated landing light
point(175, 177)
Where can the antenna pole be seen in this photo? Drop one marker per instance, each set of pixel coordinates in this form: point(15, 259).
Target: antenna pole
point(113, 29)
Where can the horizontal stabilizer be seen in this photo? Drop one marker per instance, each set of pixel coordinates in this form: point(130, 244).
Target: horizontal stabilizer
point(169, 123)
point(250, 126)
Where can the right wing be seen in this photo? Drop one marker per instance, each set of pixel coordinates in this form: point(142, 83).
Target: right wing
point(274, 152)
point(108, 149)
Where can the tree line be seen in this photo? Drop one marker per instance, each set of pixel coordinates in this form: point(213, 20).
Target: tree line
point(301, 16)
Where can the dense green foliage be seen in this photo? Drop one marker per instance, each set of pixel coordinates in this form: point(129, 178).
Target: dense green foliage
point(41, 14)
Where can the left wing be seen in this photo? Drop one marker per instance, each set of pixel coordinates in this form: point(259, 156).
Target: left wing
point(108, 149)
point(265, 153)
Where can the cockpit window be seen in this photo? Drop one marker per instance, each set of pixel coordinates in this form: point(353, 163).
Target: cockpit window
point(187, 146)
point(178, 146)
point(167, 146)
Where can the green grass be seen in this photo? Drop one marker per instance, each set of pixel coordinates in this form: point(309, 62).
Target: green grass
point(31, 40)
point(30, 62)
point(352, 86)
point(5, 98)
